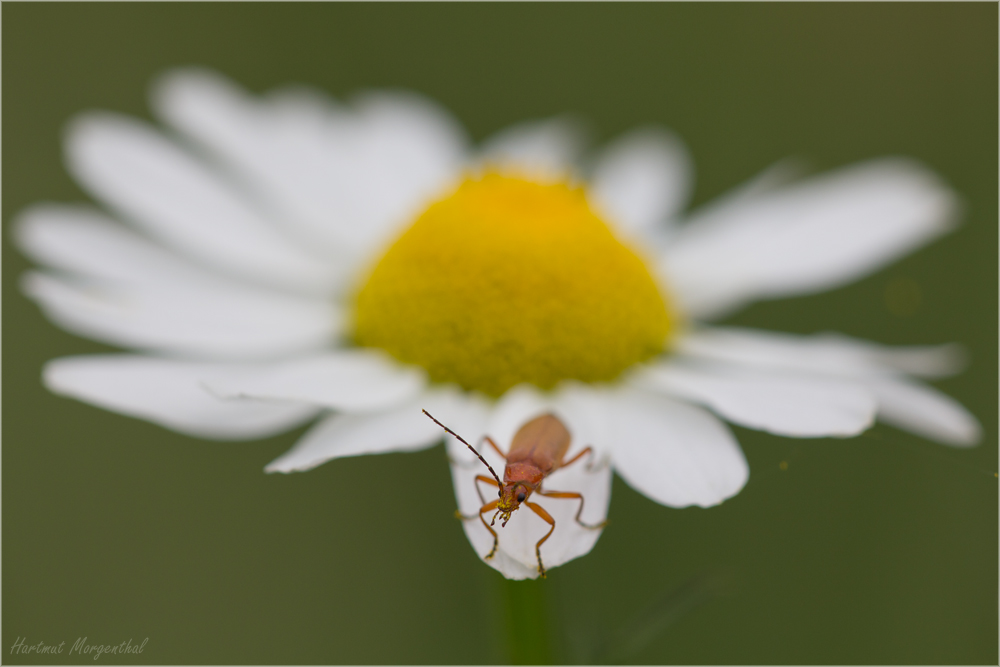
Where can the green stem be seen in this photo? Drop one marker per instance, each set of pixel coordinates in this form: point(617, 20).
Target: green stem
point(525, 615)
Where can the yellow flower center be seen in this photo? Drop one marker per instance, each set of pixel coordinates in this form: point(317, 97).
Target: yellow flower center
point(507, 281)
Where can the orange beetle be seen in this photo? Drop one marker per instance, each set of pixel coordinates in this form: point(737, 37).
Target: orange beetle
point(538, 449)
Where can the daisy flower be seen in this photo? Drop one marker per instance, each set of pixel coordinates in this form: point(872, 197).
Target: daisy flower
point(283, 259)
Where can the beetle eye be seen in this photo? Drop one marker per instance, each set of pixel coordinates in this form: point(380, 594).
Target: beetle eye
point(500, 493)
point(520, 497)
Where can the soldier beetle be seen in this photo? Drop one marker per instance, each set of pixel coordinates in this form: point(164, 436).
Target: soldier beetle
point(538, 449)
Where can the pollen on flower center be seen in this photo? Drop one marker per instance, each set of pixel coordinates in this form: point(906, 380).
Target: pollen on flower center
point(507, 281)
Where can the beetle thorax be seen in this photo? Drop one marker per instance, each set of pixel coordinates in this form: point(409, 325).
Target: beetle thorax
point(523, 472)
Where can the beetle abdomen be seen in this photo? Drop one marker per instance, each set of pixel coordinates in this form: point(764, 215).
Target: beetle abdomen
point(543, 441)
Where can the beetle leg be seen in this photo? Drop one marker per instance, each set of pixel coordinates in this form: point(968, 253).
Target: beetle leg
point(482, 510)
point(573, 494)
point(586, 450)
point(472, 464)
point(488, 480)
point(492, 444)
point(537, 509)
point(488, 507)
point(479, 478)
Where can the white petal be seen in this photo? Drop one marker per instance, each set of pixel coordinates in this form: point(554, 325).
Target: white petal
point(789, 404)
point(278, 146)
point(675, 454)
point(829, 353)
point(206, 321)
point(169, 393)
point(820, 234)
point(584, 409)
point(349, 380)
point(925, 411)
point(771, 180)
point(542, 149)
point(642, 180)
point(929, 361)
point(401, 429)
point(171, 195)
point(906, 404)
point(82, 241)
point(345, 178)
point(582, 412)
point(410, 153)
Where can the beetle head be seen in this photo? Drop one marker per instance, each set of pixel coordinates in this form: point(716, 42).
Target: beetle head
point(511, 497)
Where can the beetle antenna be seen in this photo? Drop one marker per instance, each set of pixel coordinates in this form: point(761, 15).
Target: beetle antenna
point(462, 440)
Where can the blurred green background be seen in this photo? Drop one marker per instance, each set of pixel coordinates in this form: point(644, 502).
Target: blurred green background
point(880, 549)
